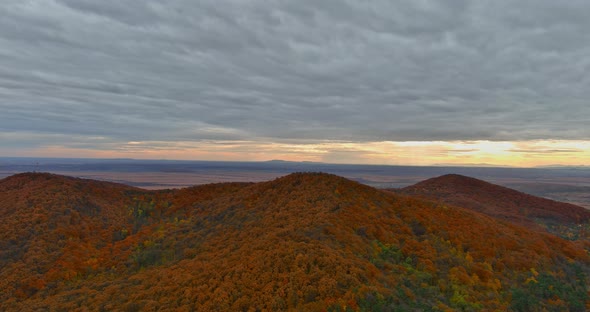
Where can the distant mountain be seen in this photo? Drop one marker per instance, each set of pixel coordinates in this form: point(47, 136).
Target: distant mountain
point(472, 165)
point(280, 161)
point(306, 241)
point(557, 166)
point(498, 201)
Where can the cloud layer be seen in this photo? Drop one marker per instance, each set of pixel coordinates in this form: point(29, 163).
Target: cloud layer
point(285, 71)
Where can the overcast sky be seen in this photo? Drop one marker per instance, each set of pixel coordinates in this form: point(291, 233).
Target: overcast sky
point(240, 79)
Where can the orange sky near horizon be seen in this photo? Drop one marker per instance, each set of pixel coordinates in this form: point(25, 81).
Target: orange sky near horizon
point(422, 153)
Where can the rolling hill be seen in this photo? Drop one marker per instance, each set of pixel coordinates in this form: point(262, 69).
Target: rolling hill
point(500, 202)
point(306, 241)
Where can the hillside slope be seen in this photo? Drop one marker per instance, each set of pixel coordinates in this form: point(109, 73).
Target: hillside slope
point(302, 242)
point(498, 201)
point(51, 223)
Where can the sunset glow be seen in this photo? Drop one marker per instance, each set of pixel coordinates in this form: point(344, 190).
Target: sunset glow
point(504, 153)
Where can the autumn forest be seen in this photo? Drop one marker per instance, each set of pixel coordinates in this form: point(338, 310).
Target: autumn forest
point(302, 242)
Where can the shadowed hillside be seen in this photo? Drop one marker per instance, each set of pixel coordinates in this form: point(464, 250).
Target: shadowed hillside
point(306, 241)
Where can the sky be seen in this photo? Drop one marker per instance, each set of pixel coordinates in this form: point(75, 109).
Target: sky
point(407, 82)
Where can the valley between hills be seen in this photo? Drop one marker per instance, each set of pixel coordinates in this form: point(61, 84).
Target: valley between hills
point(301, 242)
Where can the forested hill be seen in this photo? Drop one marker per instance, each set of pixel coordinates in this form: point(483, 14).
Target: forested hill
point(306, 241)
point(503, 203)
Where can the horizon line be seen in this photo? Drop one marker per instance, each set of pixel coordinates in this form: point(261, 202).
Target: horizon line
point(467, 165)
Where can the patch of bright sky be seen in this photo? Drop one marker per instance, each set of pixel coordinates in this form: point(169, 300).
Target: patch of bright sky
point(498, 153)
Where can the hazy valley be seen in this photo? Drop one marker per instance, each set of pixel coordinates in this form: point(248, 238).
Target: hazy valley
point(567, 184)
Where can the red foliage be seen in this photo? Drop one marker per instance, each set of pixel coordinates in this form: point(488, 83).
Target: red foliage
point(497, 201)
point(304, 241)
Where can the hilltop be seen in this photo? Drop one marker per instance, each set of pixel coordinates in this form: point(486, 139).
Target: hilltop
point(499, 202)
point(306, 241)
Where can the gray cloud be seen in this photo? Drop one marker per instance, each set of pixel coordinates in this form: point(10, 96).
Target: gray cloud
point(295, 70)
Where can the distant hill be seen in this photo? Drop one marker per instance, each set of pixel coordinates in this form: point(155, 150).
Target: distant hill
point(498, 201)
point(306, 241)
